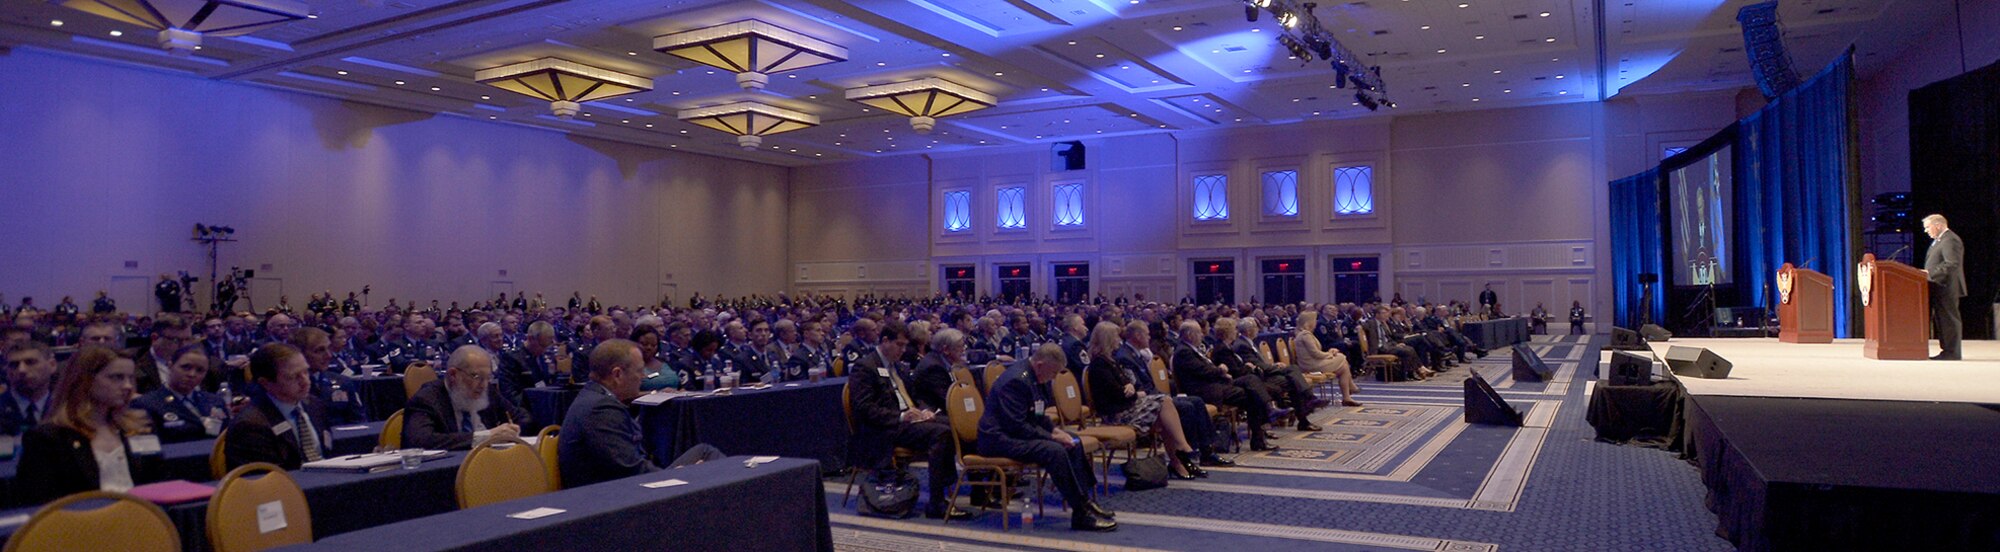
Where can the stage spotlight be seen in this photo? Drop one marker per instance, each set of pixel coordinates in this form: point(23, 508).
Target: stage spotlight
point(1288, 19)
point(1319, 45)
point(1297, 49)
point(1366, 101)
point(1251, 7)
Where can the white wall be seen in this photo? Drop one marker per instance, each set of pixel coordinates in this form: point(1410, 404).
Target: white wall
point(1514, 198)
point(1956, 45)
point(327, 194)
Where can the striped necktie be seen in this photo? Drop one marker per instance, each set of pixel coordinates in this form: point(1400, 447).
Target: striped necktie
point(308, 437)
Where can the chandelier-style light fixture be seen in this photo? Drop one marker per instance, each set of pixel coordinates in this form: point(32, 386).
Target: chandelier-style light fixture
point(749, 121)
point(564, 83)
point(753, 49)
point(923, 100)
point(182, 23)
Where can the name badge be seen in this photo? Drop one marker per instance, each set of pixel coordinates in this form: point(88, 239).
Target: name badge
point(282, 429)
point(883, 371)
point(1040, 408)
point(144, 444)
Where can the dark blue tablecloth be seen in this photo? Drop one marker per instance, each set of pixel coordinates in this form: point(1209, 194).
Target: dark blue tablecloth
point(548, 405)
point(1494, 334)
point(340, 502)
point(380, 396)
point(780, 506)
point(804, 421)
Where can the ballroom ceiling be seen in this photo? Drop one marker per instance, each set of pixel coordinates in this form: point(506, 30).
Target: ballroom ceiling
point(1060, 69)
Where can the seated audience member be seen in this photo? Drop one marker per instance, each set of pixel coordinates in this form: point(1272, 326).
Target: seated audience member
point(782, 349)
point(102, 333)
point(1576, 318)
point(933, 374)
point(600, 440)
point(1016, 426)
point(1382, 341)
point(886, 417)
point(658, 374)
point(460, 409)
point(1120, 402)
point(333, 391)
point(31, 370)
point(180, 410)
point(1133, 357)
point(282, 425)
point(1306, 351)
point(533, 364)
point(1231, 351)
point(812, 352)
point(1199, 376)
point(169, 335)
point(91, 441)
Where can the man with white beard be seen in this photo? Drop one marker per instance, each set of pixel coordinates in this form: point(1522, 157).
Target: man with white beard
point(461, 409)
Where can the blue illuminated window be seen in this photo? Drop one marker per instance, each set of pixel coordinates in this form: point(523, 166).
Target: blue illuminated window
point(1354, 190)
point(1281, 193)
point(1211, 197)
point(1670, 152)
point(1012, 204)
point(957, 211)
point(1069, 204)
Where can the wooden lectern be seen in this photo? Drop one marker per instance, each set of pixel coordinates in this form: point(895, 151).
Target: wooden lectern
point(1805, 306)
point(1898, 299)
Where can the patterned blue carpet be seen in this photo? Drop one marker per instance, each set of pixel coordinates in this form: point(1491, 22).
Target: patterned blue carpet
point(1459, 487)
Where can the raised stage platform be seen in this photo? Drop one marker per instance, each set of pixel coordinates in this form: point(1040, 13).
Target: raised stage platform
point(1765, 367)
point(1815, 447)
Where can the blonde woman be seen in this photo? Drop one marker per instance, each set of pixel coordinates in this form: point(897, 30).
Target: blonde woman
point(1121, 401)
point(1310, 357)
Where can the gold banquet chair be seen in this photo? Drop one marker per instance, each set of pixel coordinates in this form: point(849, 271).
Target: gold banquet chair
point(392, 433)
point(500, 470)
point(1073, 415)
point(64, 525)
point(964, 411)
point(545, 444)
point(218, 463)
point(900, 456)
point(233, 510)
point(415, 376)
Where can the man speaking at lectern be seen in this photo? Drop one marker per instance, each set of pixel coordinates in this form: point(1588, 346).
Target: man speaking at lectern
point(1945, 267)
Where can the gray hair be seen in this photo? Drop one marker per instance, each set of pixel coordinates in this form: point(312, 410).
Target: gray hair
point(949, 338)
point(462, 357)
point(1935, 218)
point(489, 328)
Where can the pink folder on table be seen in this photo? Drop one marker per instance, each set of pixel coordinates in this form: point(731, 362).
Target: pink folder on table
point(173, 492)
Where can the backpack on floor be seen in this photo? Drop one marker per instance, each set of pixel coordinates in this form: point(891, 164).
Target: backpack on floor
point(890, 494)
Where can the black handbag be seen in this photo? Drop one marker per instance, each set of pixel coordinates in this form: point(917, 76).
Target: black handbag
point(1145, 473)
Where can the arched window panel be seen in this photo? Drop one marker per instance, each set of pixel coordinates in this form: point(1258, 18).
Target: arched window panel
point(1281, 193)
point(957, 211)
point(1354, 190)
point(1211, 197)
point(1012, 208)
point(1069, 204)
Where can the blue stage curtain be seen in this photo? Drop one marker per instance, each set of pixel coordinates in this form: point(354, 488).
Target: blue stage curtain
point(1795, 170)
point(1636, 246)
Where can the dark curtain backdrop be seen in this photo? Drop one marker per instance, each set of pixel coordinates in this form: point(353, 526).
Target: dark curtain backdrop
point(1637, 245)
point(1796, 190)
point(1955, 171)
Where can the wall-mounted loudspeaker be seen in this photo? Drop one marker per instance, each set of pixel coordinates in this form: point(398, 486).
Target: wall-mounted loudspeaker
point(1068, 156)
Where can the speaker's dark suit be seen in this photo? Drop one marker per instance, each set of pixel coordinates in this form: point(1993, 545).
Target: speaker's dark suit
point(1946, 264)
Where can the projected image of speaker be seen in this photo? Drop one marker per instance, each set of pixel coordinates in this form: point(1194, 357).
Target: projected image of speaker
point(1484, 406)
point(1653, 332)
point(1697, 362)
point(1631, 369)
point(1626, 340)
point(1528, 366)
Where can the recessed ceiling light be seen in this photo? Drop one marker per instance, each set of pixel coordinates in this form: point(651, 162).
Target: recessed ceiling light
point(791, 76)
point(1256, 30)
point(1464, 84)
point(1100, 56)
point(586, 114)
point(673, 145)
point(677, 92)
point(1215, 51)
point(486, 97)
point(340, 72)
point(1440, 50)
point(1545, 14)
point(1072, 43)
point(836, 143)
point(1246, 70)
point(1424, 28)
point(1295, 99)
point(1563, 92)
point(1465, 5)
point(399, 83)
point(999, 74)
point(813, 97)
point(435, 89)
point(877, 64)
point(492, 116)
point(819, 155)
point(1475, 99)
point(865, 110)
point(649, 125)
point(1479, 37)
point(1045, 90)
point(628, 100)
point(1496, 71)
point(1507, 91)
point(631, 53)
point(116, 33)
point(1559, 76)
point(1549, 39)
point(1163, 126)
point(55, 23)
point(1177, 27)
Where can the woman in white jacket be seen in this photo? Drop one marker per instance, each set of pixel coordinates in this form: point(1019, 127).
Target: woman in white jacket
point(1310, 357)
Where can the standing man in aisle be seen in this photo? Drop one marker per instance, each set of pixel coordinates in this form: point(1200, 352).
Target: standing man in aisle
point(1945, 266)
